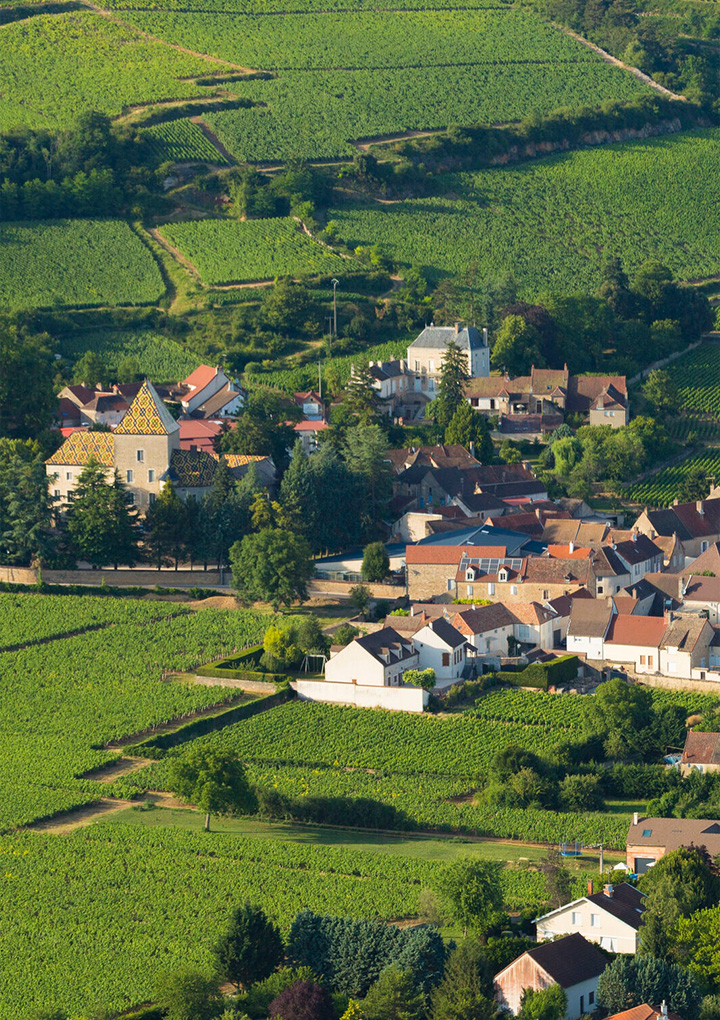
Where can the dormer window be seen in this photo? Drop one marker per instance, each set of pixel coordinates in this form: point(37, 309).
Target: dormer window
point(469, 576)
point(503, 575)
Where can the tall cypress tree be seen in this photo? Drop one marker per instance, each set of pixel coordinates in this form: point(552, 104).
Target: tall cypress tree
point(451, 389)
point(102, 525)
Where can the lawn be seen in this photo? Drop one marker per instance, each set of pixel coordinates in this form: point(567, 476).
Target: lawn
point(58, 263)
point(551, 222)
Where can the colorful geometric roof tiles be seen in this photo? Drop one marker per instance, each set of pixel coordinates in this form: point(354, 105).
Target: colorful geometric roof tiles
point(82, 447)
point(235, 460)
point(147, 415)
point(192, 469)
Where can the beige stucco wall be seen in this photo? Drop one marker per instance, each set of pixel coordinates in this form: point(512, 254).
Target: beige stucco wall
point(615, 417)
point(64, 478)
point(157, 451)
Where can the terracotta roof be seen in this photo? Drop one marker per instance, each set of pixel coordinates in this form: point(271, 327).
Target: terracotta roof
point(644, 1012)
point(147, 416)
point(199, 433)
point(451, 554)
point(584, 390)
point(531, 613)
point(555, 570)
point(564, 552)
point(82, 447)
point(708, 560)
point(562, 532)
point(431, 456)
point(215, 403)
point(483, 619)
point(200, 378)
point(568, 961)
point(637, 631)
point(701, 749)
point(672, 833)
point(686, 520)
point(83, 394)
point(311, 426)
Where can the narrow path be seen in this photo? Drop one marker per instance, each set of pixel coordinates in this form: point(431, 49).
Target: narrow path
point(172, 724)
point(67, 821)
point(214, 140)
point(113, 770)
point(618, 63)
point(367, 143)
point(176, 254)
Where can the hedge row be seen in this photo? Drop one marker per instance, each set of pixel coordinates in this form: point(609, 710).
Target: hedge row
point(543, 674)
point(235, 668)
point(109, 590)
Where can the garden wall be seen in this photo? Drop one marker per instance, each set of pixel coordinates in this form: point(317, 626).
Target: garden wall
point(18, 575)
point(319, 586)
point(397, 699)
point(143, 578)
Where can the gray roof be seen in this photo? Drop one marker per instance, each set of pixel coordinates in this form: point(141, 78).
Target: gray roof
point(435, 337)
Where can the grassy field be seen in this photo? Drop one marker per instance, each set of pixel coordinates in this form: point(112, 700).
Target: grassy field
point(161, 359)
point(551, 222)
point(57, 65)
point(60, 263)
point(231, 251)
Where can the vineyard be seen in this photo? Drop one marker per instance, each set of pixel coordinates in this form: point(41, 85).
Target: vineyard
point(697, 376)
point(75, 262)
point(181, 141)
point(225, 251)
point(305, 377)
point(62, 701)
point(661, 489)
point(157, 357)
point(551, 222)
point(56, 65)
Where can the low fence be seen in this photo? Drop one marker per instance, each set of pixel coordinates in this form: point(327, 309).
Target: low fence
point(397, 699)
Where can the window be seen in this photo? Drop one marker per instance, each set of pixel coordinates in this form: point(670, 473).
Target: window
point(451, 584)
point(546, 593)
point(591, 998)
point(417, 366)
point(582, 1004)
point(131, 498)
point(152, 498)
point(513, 589)
point(487, 644)
point(594, 920)
point(431, 365)
point(576, 917)
point(57, 494)
point(140, 454)
point(492, 404)
point(470, 590)
point(642, 660)
point(703, 546)
point(491, 588)
point(469, 574)
point(68, 476)
point(151, 475)
point(647, 833)
point(446, 658)
point(650, 661)
point(129, 475)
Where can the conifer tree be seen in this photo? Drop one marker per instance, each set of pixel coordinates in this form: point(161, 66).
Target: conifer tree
point(101, 523)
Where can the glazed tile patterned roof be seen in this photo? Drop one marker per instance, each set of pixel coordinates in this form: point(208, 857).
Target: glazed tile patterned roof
point(82, 447)
point(192, 469)
point(235, 460)
point(147, 416)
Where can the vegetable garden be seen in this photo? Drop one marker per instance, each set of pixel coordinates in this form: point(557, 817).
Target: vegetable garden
point(75, 262)
point(225, 251)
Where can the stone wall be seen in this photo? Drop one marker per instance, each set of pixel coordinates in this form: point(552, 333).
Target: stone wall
point(397, 699)
point(18, 575)
point(319, 586)
point(142, 578)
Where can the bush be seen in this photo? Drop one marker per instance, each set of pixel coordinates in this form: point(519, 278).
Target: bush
point(543, 674)
point(303, 1000)
point(345, 634)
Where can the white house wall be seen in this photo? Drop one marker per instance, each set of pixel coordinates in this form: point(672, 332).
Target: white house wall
point(396, 699)
point(608, 931)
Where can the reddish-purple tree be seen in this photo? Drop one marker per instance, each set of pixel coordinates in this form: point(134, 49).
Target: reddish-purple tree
point(303, 1001)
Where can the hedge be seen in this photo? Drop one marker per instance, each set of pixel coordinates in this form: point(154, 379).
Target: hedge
point(227, 669)
point(543, 674)
point(210, 723)
point(108, 590)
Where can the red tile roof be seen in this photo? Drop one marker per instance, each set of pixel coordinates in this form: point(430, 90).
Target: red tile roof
point(644, 1012)
point(200, 378)
point(639, 631)
point(564, 552)
point(451, 554)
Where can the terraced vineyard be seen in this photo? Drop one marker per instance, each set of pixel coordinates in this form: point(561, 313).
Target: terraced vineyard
point(231, 251)
point(159, 358)
point(662, 488)
point(75, 262)
point(552, 221)
point(183, 141)
point(697, 375)
point(56, 65)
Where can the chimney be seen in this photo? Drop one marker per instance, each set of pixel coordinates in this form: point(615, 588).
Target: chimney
point(485, 336)
point(663, 1009)
point(634, 535)
point(609, 891)
point(457, 328)
point(636, 818)
point(699, 507)
point(571, 548)
point(682, 584)
point(590, 887)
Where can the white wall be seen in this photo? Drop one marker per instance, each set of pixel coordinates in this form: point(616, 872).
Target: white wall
point(590, 646)
point(575, 1008)
point(431, 649)
point(631, 653)
point(354, 663)
point(397, 699)
point(498, 639)
point(609, 931)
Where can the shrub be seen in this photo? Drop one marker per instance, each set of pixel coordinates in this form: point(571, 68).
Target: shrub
point(303, 1000)
point(344, 634)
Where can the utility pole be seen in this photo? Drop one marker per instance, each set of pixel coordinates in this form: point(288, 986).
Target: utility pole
point(335, 283)
point(320, 379)
point(602, 858)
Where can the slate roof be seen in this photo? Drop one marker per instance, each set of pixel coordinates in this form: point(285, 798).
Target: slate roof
point(214, 404)
point(82, 447)
point(637, 550)
point(446, 632)
point(685, 520)
point(626, 903)
point(386, 642)
point(147, 416)
point(568, 961)
point(467, 339)
point(672, 833)
point(606, 563)
point(701, 749)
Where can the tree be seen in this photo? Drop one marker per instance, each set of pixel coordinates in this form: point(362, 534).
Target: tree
point(25, 504)
point(615, 288)
point(516, 347)
point(215, 782)
point(661, 392)
point(360, 596)
point(280, 650)
point(365, 454)
point(345, 634)
point(376, 562)
point(265, 426)
point(681, 883)
point(581, 793)
point(393, 996)
point(454, 375)
point(557, 878)
point(629, 981)
point(91, 370)
point(694, 485)
point(361, 400)
point(250, 949)
point(469, 429)
point(100, 522)
point(544, 1004)
point(166, 525)
point(272, 566)
point(509, 452)
point(424, 678)
point(303, 1000)
point(188, 995)
point(695, 943)
point(463, 993)
point(618, 713)
point(472, 890)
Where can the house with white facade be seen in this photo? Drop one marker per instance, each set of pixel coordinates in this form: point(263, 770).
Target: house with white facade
point(573, 962)
point(209, 393)
point(610, 918)
point(425, 354)
point(442, 648)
